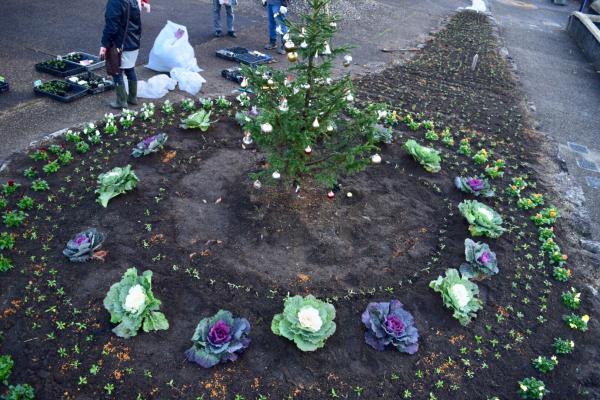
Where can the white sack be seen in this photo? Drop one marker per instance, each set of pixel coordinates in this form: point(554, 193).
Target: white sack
point(188, 81)
point(172, 49)
point(156, 87)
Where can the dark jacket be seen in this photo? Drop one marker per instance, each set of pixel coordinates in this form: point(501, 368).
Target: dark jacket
point(116, 20)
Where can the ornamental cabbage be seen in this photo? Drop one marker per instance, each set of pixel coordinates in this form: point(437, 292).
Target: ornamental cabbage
point(483, 220)
point(149, 145)
point(459, 294)
point(481, 261)
point(390, 323)
point(115, 182)
point(83, 245)
point(305, 320)
point(429, 158)
point(198, 120)
point(219, 339)
point(475, 186)
point(132, 305)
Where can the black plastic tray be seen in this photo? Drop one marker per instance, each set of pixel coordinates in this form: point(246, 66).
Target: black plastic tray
point(4, 87)
point(233, 74)
point(108, 84)
point(96, 62)
point(244, 56)
point(72, 69)
point(76, 92)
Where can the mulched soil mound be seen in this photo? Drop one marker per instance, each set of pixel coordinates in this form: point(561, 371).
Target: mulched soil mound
point(214, 241)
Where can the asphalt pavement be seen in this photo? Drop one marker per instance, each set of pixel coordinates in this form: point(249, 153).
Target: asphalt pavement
point(32, 31)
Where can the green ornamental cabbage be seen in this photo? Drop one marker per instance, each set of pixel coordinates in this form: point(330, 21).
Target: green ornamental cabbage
point(429, 158)
point(307, 321)
point(115, 182)
point(483, 220)
point(198, 120)
point(132, 305)
point(459, 294)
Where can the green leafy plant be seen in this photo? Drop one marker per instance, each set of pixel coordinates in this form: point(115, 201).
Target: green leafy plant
point(561, 274)
point(431, 135)
point(72, 137)
point(429, 158)
point(26, 203)
point(447, 137)
point(544, 364)
point(496, 170)
point(532, 389)
point(464, 147)
point(40, 185)
point(39, 155)
point(6, 366)
point(51, 167)
point(13, 218)
point(458, 294)
point(3, 202)
point(482, 219)
point(571, 299)
point(132, 305)
point(19, 392)
point(307, 321)
point(7, 241)
point(188, 105)
point(481, 157)
point(577, 322)
point(82, 147)
point(167, 107)
point(65, 157)
point(563, 346)
point(115, 182)
point(10, 187)
point(198, 120)
point(5, 263)
point(30, 172)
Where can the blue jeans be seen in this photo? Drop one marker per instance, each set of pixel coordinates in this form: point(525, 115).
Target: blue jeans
point(274, 21)
point(131, 76)
point(217, 17)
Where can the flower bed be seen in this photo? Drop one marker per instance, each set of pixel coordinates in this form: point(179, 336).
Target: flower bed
point(371, 257)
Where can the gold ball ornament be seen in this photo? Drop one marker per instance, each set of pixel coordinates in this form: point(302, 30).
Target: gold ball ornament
point(292, 56)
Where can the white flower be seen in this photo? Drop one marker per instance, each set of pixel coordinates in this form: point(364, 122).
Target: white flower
point(460, 295)
point(381, 114)
point(136, 297)
point(310, 319)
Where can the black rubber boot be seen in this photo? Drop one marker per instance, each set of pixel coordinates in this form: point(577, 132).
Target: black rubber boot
point(132, 98)
point(121, 101)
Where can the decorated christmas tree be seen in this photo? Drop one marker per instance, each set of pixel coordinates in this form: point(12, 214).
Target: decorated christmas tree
point(304, 120)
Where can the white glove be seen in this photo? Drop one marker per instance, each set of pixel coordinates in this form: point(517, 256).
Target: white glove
point(283, 10)
point(147, 7)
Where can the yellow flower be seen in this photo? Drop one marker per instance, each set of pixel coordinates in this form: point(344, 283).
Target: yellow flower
point(552, 213)
point(585, 318)
point(564, 257)
point(513, 187)
point(529, 202)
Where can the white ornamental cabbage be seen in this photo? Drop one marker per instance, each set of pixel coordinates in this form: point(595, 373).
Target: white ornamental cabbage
point(460, 295)
point(309, 319)
point(136, 297)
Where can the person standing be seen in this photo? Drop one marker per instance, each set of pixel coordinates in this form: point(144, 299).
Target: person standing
point(123, 30)
point(276, 10)
point(229, 5)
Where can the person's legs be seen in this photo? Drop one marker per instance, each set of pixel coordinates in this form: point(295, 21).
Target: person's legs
point(272, 29)
point(280, 28)
point(217, 17)
point(230, 20)
point(132, 85)
point(121, 101)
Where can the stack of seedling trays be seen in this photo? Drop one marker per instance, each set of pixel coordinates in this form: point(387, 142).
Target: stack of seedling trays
point(233, 74)
point(3, 85)
point(244, 56)
point(77, 80)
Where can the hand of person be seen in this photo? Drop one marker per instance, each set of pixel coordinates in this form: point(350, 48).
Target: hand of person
point(283, 10)
point(102, 53)
point(147, 7)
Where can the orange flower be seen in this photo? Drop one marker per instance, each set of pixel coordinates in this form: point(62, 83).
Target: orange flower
point(552, 213)
point(564, 257)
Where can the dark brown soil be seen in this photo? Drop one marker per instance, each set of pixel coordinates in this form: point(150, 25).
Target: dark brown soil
point(213, 241)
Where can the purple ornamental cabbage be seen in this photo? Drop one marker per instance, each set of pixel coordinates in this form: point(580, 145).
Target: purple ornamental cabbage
point(390, 323)
point(83, 245)
point(149, 145)
point(218, 339)
point(480, 260)
point(474, 185)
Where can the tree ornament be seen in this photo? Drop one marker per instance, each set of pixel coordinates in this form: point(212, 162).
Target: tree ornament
point(315, 123)
point(305, 86)
point(330, 128)
point(376, 159)
point(283, 105)
point(257, 184)
point(330, 194)
point(316, 55)
point(307, 150)
point(271, 83)
point(303, 45)
point(349, 97)
point(327, 49)
point(247, 140)
point(347, 60)
point(289, 46)
point(333, 24)
point(292, 57)
point(244, 83)
point(266, 128)
point(286, 37)
point(349, 194)
point(276, 175)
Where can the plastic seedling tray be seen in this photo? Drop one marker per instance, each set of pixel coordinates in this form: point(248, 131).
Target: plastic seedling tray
point(63, 91)
point(244, 56)
point(95, 83)
point(59, 67)
point(233, 74)
point(88, 61)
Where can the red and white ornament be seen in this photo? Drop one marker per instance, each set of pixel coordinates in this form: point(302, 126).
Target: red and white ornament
point(330, 194)
point(307, 150)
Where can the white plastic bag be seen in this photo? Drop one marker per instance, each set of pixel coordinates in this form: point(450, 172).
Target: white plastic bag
point(156, 87)
point(172, 49)
point(188, 81)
